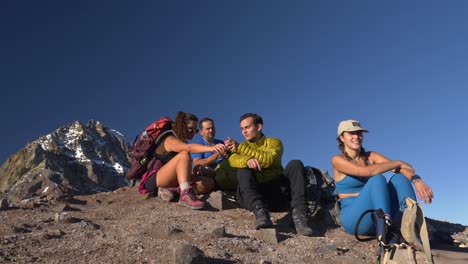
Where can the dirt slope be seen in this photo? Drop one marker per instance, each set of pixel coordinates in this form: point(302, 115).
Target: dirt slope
point(125, 227)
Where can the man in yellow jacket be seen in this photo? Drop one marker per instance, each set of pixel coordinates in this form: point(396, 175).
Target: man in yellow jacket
point(261, 178)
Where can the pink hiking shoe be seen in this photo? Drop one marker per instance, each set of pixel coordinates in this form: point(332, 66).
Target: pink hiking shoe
point(189, 199)
point(168, 194)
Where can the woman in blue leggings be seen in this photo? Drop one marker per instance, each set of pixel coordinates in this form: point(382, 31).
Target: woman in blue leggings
point(361, 185)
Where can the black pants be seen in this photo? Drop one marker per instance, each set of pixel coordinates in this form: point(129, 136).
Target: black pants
point(275, 195)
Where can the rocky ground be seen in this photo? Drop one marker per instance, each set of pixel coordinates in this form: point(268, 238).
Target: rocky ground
point(126, 227)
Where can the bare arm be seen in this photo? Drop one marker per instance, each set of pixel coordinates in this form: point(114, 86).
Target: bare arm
point(172, 143)
point(207, 161)
point(423, 191)
point(376, 158)
point(381, 164)
point(347, 167)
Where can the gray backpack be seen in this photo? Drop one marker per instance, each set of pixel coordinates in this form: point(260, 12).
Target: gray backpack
point(322, 198)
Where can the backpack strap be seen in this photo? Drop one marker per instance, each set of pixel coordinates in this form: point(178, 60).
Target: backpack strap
point(425, 240)
point(163, 135)
point(356, 228)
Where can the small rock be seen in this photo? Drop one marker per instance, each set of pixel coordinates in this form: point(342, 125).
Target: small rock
point(3, 204)
point(53, 233)
point(168, 230)
point(219, 232)
point(19, 229)
point(218, 200)
point(62, 208)
point(65, 217)
point(269, 235)
point(187, 254)
point(88, 224)
point(328, 248)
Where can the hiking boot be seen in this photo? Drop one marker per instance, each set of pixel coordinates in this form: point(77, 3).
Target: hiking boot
point(188, 198)
point(262, 218)
point(300, 222)
point(168, 194)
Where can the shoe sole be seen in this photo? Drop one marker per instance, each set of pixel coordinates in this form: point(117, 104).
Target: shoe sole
point(171, 199)
point(258, 227)
point(167, 196)
point(305, 233)
point(191, 207)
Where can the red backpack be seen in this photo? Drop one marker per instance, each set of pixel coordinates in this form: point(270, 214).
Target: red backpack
point(144, 146)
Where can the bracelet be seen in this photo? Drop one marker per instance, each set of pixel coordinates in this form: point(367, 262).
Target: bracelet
point(415, 178)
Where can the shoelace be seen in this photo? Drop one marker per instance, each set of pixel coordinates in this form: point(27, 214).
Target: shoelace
point(300, 217)
point(191, 194)
point(261, 212)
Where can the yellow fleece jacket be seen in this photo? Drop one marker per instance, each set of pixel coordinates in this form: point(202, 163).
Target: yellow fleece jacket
point(268, 151)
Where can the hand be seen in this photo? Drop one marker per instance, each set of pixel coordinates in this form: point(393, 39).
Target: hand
point(254, 164)
point(407, 166)
point(220, 149)
point(423, 191)
point(231, 144)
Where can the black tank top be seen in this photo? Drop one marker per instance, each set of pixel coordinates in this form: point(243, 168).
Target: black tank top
point(161, 154)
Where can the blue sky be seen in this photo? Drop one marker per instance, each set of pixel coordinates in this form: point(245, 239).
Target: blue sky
point(399, 67)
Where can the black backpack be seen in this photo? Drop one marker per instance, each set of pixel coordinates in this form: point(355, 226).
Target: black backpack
point(322, 198)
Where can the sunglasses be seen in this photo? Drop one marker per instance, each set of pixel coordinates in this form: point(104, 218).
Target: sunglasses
point(192, 130)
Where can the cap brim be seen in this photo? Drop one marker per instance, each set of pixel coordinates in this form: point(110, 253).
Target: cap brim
point(353, 130)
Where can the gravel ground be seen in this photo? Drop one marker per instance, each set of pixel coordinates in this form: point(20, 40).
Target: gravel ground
point(126, 227)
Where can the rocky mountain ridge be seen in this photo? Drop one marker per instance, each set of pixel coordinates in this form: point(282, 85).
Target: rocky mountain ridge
point(74, 159)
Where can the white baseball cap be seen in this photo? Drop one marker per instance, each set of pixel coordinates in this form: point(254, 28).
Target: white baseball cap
point(349, 126)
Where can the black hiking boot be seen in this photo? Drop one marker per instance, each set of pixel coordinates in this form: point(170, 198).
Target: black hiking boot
point(262, 218)
point(300, 222)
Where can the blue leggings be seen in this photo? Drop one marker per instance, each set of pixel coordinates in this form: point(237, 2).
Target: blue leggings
point(375, 194)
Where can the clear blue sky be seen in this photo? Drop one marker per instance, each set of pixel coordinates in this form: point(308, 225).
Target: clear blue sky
point(399, 67)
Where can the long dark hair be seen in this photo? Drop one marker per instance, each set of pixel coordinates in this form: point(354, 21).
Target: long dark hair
point(180, 124)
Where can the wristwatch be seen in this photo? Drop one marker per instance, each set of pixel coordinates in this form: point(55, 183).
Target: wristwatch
point(415, 178)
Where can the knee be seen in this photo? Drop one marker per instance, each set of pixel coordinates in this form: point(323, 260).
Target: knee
point(378, 179)
point(295, 164)
point(399, 181)
point(244, 173)
point(184, 155)
point(398, 177)
point(245, 176)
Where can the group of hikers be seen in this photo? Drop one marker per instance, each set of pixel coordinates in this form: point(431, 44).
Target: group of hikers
point(254, 169)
